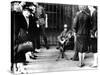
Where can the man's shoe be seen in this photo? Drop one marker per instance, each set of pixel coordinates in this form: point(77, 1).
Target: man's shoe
point(32, 57)
point(47, 47)
point(58, 47)
point(74, 59)
point(81, 65)
point(26, 62)
point(38, 47)
point(35, 56)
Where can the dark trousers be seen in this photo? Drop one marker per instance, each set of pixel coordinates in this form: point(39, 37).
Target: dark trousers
point(43, 34)
point(36, 42)
point(75, 57)
point(35, 38)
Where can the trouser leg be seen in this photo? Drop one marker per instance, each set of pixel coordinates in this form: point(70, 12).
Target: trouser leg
point(44, 36)
point(38, 42)
point(75, 57)
point(33, 44)
point(45, 39)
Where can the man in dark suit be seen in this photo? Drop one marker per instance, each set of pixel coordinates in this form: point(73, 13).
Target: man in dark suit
point(33, 29)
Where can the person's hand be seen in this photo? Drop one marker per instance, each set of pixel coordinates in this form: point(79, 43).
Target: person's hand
point(38, 25)
point(74, 34)
point(62, 42)
point(96, 34)
point(92, 36)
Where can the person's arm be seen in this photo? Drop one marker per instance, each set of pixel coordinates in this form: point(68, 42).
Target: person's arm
point(93, 25)
point(75, 23)
point(60, 38)
point(75, 26)
point(44, 13)
point(94, 22)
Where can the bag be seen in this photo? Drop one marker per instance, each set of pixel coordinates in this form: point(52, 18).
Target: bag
point(27, 46)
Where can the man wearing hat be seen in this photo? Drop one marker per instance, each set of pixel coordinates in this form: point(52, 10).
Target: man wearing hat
point(64, 41)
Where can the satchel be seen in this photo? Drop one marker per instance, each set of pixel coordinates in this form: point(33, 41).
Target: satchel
point(27, 46)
